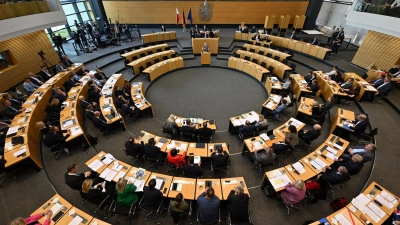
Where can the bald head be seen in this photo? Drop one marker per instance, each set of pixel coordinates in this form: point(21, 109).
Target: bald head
point(317, 127)
point(81, 97)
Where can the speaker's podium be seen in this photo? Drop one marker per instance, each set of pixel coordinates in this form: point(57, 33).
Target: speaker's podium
point(205, 58)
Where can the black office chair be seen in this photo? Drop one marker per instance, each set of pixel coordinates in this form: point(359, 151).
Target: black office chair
point(187, 136)
point(244, 48)
point(247, 58)
point(173, 167)
point(252, 50)
point(159, 50)
point(215, 170)
point(149, 52)
point(250, 221)
point(134, 157)
point(263, 64)
point(289, 206)
point(5, 173)
point(156, 61)
point(237, 55)
point(269, 55)
point(246, 135)
point(126, 62)
point(204, 139)
point(106, 201)
point(293, 66)
point(285, 61)
point(307, 143)
point(212, 222)
point(178, 216)
point(173, 55)
point(165, 57)
point(134, 58)
point(123, 211)
point(367, 137)
point(156, 211)
point(156, 161)
point(121, 52)
point(277, 58)
point(261, 52)
point(148, 64)
point(142, 55)
point(260, 166)
point(365, 76)
point(342, 184)
point(271, 71)
point(254, 60)
point(56, 149)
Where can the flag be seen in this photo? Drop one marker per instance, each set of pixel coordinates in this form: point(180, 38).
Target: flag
point(190, 16)
point(178, 17)
point(183, 18)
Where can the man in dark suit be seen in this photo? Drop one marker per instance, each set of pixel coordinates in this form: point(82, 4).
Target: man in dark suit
point(119, 101)
point(100, 122)
point(360, 126)
point(191, 169)
point(55, 136)
point(353, 165)
point(314, 41)
point(74, 179)
point(247, 128)
point(84, 103)
point(35, 79)
point(205, 131)
point(70, 83)
point(14, 102)
point(293, 35)
point(45, 73)
point(132, 148)
point(337, 77)
point(132, 111)
point(348, 84)
point(310, 135)
point(60, 67)
point(60, 95)
point(378, 82)
point(383, 89)
point(253, 30)
point(152, 197)
point(163, 28)
point(151, 151)
point(332, 177)
point(95, 95)
point(89, 113)
point(67, 63)
point(189, 128)
point(314, 86)
point(8, 112)
point(220, 158)
point(367, 152)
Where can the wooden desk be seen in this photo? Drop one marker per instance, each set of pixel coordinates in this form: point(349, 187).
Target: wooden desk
point(328, 88)
point(194, 151)
point(347, 214)
point(205, 58)
point(129, 55)
point(265, 50)
point(271, 103)
point(201, 187)
point(279, 131)
point(210, 148)
point(106, 101)
point(310, 158)
point(236, 121)
point(338, 119)
point(331, 143)
point(363, 84)
point(308, 174)
point(131, 174)
point(188, 188)
point(119, 173)
point(98, 222)
point(198, 43)
point(298, 85)
point(179, 121)
point(162, 146)
point(160, 68)
point(167, 184)
point(272, 83)
point(143, 61)
point(159, 36)
point(67, 218)
point(372, 192)
point(228, 184)
point(98, 157)
point(251, 68)
point(138, 98)
point(280, 172)
point(305, 106)
point(56, 199)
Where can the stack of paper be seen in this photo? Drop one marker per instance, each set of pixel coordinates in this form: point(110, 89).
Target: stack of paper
point(276, 98)
point(236, 122)
point(331, 150)
point(139, 105)
point(264, 136)
point(270, 105)
point(338, 146)
point(20, 152)
point(76, 221)
point(377, 211)
point(95, 165)
point(388, 197)
point(12, 130)
point(108, 159)
point(159, 144)
point(318, 164)
point(280, 181)
point(295, 122)
point(76, 131)
point(120, 174)
point(159, 182)
point(299, 167)
point(330, 155)
point(257, 145)
point(117, 167)
point(56, 207)
point(182, 147)
point(342, 220)
point(110, 176)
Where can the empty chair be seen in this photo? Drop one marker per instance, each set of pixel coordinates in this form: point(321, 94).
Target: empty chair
point(156, 61)
point(293, 66)
point(254, 60)
point(271, 70)
point(149, 52)
point(173, 55)
point(269, 55)
point(277, 58)
point(237, 55)
point(285, 61)
point(166, 49)
point(121, 52)
point(159, 50)
point(261, 52)
point(134, 58)
point(258, 43)
point(263, 64)
point(247, 58)
point(142, 55)
point(126, 62)
point(148, 64)
point(165, 57)
point(252, 50)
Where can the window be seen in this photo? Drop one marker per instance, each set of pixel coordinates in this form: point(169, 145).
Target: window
point(68, 9)
point(85, 16)
point(81, 6)
point(71, 19)
point(5, 60)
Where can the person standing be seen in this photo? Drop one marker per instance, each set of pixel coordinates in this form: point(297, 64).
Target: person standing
point(330, 33)
point(57, 40)
point(127, 31)
point(97, 36)
point(117, 31)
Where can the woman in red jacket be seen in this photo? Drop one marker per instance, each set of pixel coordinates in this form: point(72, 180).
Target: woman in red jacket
point(175, 159)
point(34, 219)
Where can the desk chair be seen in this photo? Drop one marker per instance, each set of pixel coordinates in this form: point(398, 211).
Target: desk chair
point(104, 130)
point(206, 139)
point(269, 55)
point(254, 60)
point(249, 222)
point(121, 52)
point(260, 166)
point(258, 43)
point(263, 64)
point(261, 52)
point(126, 62)
point(306, 143)
point(259, 129)
point(188, 136)
point(277, 58)
point(177, 216)
point(116, 209)
point(342, 185)
point(134, 57)
point(247, 58)
point(290, 206)
point(246, 134)
point(4, 174)
point(288, 106)
point(159, 50)
point(173, 55)
point(347, 101)
point(366, 138)
point(271, 71)
point(103, 203)
point(252, 50)
point(165, 57)
point(173, 167)
point(156, 61)
point(382, 96)
point(293, 66)
point(285, 61)
point(155, 161)
point(149, 52)
point(237, 55)
point(142, 55)
point(57, 149)
point(219, 170)
point(134, 157)
point(148, 64)
point(157, 210)
point(218, 221)
point(172, 132)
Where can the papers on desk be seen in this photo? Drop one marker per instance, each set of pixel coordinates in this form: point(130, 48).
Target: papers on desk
point(95, 165)
point(303, 82)
point(342, 220)
point(378, 211)
point(138, 183)
point(384, 201)
point(299, 167)
point(21, 120)
point(331, 150)
point(76, 131)
point(236, 122)
point(371, 88)
point(280, 181)
point(110, 175)
point(138, 96)
point(338, 146)
point(178, 120)
point(270, 104)
point(108, 159)
point(159, 183)
point(8, 145)
point(363, 82)
point(264, 136)
point(295, 122)
point(182, 147)
point(20, 152)
point(51, 80)
point(105, 173)
point(12, 130)
point(117, 167)
point(119, 175)
point(362, 200)
point(178, 187)
point(28, 110)
point(139, 105)
point(257, 145)
point(159, 144)
point(197, 159)
point(318, 164)
point(56, 207)
point(388, 197)
point(276, 98)
point(76, 221)
point(252, 118)
point(330, 155)
point(67, 123)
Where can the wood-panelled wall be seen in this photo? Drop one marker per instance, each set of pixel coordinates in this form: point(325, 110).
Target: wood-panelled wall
point(225, 12)
point(24, 50)
point(381, 49)
point(12, 10)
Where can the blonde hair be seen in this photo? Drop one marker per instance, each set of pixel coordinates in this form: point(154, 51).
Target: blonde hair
point(299, 184)
point(315, 103)
point(86, 185)
point(362, 117)
point(171, 118)
point(261, 118)
point(55, 101)
point(18, 221)
point(239, 190)
point(40, 125)
point(121, 185)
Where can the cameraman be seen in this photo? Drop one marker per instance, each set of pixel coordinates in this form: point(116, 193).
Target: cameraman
point(58, 41)
point(97, 35)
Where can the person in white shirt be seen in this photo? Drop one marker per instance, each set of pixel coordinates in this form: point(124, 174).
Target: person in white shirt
point(333, 72)
point(330, 33)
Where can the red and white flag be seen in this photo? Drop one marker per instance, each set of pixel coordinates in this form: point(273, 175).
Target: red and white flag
point(178, 17)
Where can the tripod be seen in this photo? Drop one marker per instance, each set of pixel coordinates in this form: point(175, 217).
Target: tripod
point(45, 61)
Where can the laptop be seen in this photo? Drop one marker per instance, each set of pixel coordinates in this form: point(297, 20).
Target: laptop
point(200, 145)
point(212, 122)
point(17, 140)
point(193, 120)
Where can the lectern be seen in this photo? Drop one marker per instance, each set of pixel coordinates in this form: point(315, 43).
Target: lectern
point(205, 58)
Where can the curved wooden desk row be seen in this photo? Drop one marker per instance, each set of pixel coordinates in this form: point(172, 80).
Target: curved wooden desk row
point(162, 67)
point(247, 36)
point(374, 74)
point(198, 43)
point(107, 106)
point(237, 121)
point(279, 68)
point(141, 102)
point(328, 88)
point(375, 213)
point(338, 120)
point(146, 50)
point(26, 121)
point(271, 103)
point(197, 121)
point(149, 59)
point(159, 36)
point(363, 84)
point(299, 86)
point(274, 53)
point(68, 213)
point(251, 68)
point(191, 188)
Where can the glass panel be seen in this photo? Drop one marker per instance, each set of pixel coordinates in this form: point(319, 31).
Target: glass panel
point(63, 33)
point(71, 19)
point(73, 28)
point(85, 16)
point(58, 28)
point(81, 6)
point(68, 9)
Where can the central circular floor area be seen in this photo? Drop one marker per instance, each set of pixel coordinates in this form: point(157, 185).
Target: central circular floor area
point(206, 92)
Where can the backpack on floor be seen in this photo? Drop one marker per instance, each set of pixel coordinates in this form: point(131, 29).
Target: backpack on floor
point(338, 203)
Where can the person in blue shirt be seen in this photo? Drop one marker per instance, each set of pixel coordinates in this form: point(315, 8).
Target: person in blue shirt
point(367, 152)
point(278, 110)
point(29, 86)
point(208, 205)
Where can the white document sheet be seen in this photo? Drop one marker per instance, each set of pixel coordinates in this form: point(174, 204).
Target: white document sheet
point(331, 150)
point(76, 221)
point(56, 207)
point(384, 202)
point(12, 130)
point(264, 136)
point(299, 167)
point(330, 155)
point(76, 131)
point(159, 183)
point(342, 220)
point(337, 146)
point(362, 199)
point(120, 174)
point(105, 173)
point(111, 175)
point(320, 162)
point(20, 152)
point(375, 208)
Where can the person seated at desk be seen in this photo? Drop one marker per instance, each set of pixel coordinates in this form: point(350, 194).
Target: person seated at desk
point(333, 72)
point(314, 108)
point(94, 192)
point(70, 83)
point(314, 41)
point(253, 30)
point(383, 89)
point(89, 113)
point(60, 67)
point(337, 77)
point(310, 135)
point(170, 124)
point(132, 148)
point(353, 165)
point(313, 87)
point(29, 86)
point(211, 33)
point(66, 62)
point(75, 180)
point(348, 84)
point(278, 110)
point(367, 152)
point(45, 73)
point(394, 71)
point(132, 111)
point(126, 194)
point(293, 193)
point(100, 75)
point(360, 126)
point(327, 105)
point(34, 219)
point(77, 77)
point(292, 137)
point(191, 169)
point(95, 95)
point(293, 35)
point(239, 28)
point(85, 103)
point(188, 128)
point(238, 205)
point(60, 95)
point(99, 122)
point(310, 77)
point(378, 82)
point(286, 85)
point(35, 79)
point(264, 156)
point(152, 197)
point(205, 131)
point(220, 158)
point(248, 128)
point(208, 205)
point(352, 93)
point(256, 37)
point(55, 136)
point(331, 176)
point(163, 28)
point(43, 127)
point(262, 122)
point(151, 151)
point(176, 159)
point(55, 106)
point(205, 48)
point(17, 94)
point(82, 71)
point(120, 91)
point(119, 101)
point(127, 88)
point(178, 205)
point(14, 102)
point(8, 112)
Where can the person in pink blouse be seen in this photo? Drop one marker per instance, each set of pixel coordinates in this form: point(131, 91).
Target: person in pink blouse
point(294, 193)
point(33, 220)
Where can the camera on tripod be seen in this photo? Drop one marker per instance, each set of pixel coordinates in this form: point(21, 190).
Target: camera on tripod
point(41, 54)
